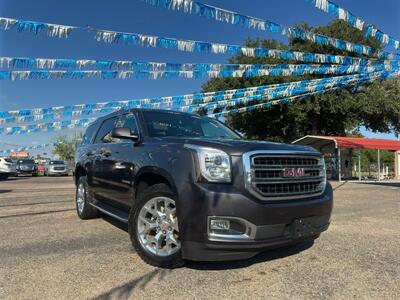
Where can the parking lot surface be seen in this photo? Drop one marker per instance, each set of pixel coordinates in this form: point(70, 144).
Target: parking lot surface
point(46, 252)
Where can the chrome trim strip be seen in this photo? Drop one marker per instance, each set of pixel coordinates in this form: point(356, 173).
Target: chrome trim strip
point(247, 170)
point(109, 213)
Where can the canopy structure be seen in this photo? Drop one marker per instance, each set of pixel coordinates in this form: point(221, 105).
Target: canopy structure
point(336, 144)
point(349, 142)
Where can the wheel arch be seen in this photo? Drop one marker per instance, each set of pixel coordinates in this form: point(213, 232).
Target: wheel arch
point(148, 176)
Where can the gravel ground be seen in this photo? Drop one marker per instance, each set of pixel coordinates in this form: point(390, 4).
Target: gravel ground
point(46, 252)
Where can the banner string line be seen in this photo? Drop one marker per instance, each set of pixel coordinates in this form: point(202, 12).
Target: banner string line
point(109, 36)
point(217, 115)
point(266, 104)
point(57, 112)
point(345, 15)
point(234, 18)
point(311, 87)
point(129, 65)
point(246, 72)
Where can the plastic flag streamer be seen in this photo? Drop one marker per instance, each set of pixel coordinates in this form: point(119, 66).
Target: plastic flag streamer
point(264, 104)
point(39, 114)
point(108, 36)
point(53, 30)
point(343, 14)
point(120, 65)
point(7, 152)
point(172, 102)
point(234, 18)
point(248, 71)
point(278, 91)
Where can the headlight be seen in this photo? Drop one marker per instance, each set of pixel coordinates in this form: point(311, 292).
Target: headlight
point(214, 164)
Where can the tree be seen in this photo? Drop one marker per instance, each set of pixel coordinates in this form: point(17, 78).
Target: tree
point(375, 106)
point(65, 147)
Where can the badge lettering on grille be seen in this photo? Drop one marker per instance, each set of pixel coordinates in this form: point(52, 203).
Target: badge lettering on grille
point(294, 172)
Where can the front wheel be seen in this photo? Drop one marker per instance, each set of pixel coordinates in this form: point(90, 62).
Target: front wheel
point(153, 227)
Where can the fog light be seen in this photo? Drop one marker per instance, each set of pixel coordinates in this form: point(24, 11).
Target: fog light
point(219, 224)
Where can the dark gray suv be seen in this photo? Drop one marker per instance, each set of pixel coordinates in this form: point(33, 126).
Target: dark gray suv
point(190, 188)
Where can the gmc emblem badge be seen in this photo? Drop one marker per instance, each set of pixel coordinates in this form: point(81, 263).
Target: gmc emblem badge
point(294, 172)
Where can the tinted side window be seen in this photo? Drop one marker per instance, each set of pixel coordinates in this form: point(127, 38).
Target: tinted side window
point(89, 134)
point(128, 121)
point(103, 135)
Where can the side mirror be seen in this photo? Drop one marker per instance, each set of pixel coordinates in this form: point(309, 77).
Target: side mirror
point(124, 133)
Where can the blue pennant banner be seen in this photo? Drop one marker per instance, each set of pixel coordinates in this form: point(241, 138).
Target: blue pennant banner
point(8, 152)
point(263, 105)
point(172, 102)
point(271, 93)
point(108, 36)
point(234, 18)
point(53, 30)
point(248, 71)
point(343, 14)
point(141, 66)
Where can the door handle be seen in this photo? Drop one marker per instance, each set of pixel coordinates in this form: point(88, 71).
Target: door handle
point(105, 152)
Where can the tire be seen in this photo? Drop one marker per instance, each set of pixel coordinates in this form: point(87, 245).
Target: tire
point(84, 210)
point(143, 227)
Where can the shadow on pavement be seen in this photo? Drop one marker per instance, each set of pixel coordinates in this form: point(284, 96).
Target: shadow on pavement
point(34, 203)
point(121, 225)
point(36, 213)
point(17, 178)
point(259, 258)
point(125, 290)
point(5, 191)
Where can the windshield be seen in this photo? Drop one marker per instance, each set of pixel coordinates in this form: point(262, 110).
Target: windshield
point(8, 160)
point(26, 161)
point(56, 162)
point(174, 124)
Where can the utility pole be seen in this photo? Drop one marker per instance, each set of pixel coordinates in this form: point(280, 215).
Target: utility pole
point(379, 165)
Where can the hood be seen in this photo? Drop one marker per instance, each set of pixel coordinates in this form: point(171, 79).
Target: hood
point(238, 147)
point(26, 166)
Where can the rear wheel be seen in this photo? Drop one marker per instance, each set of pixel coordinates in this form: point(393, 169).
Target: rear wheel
point(83, 208)
point(153, 227)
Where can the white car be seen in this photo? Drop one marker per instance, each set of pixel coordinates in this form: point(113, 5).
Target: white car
point(7, 168)
point(56, 167)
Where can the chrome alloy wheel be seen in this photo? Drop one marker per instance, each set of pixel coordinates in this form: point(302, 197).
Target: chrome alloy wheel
point(80, 197)
point(157, 227)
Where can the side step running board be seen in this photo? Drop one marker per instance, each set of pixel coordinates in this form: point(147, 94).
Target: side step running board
point(111, 211)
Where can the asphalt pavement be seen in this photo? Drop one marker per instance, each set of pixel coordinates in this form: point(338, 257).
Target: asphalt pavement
point(47, 252)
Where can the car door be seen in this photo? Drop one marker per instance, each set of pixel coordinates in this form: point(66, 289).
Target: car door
point(101, 156)
point(120, 165)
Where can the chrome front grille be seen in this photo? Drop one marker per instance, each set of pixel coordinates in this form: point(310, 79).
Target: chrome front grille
point(284, 176)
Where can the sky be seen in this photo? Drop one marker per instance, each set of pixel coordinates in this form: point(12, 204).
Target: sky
point(137, 17)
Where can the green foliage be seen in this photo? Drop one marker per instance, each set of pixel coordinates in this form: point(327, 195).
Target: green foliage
point(66, 147)
point(375, 106)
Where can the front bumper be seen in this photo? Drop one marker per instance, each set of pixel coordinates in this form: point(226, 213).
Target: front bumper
point(27, 172)
point(276, 224)
point(57, 172)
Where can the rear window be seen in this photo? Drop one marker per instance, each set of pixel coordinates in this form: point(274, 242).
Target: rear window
point(56, 162)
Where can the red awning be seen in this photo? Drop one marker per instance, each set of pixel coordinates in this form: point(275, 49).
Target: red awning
point(320, 142)
point(366, 143)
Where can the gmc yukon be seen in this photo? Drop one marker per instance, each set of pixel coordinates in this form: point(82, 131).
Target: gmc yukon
point(191, 188)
